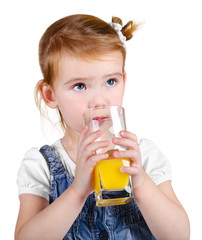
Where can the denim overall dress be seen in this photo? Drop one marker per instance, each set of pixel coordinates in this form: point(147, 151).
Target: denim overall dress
point(98, 223)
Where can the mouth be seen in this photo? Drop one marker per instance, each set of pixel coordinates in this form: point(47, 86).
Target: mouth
point(100, 120)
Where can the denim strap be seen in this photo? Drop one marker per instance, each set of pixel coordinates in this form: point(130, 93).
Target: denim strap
point(55, 165)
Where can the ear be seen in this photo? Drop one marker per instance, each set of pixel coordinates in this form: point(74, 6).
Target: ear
point(48, 95)
point(124, 79)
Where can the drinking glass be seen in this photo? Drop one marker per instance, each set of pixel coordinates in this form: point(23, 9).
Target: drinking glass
point(111, 186)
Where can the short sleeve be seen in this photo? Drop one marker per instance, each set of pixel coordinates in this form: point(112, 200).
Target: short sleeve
point(33, 175)
point(154, 162)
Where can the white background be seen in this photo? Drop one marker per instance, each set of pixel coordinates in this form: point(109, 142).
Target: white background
point(163, 94)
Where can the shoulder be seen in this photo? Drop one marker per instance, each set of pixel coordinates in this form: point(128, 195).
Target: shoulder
point(146, 144)
point(33, 160)
point(149, 149)
point(154, 161)
point(32, 154)
point(33, 175)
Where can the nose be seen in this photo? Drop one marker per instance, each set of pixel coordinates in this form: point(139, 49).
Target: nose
point(98, 99)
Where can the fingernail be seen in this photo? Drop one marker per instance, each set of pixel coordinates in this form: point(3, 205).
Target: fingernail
point(122, 132)
point(115, 140)
point(122, 169)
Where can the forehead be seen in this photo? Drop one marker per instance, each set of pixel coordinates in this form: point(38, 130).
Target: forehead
point(74, 64)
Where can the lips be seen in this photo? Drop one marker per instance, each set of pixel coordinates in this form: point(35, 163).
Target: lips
point(100, 120)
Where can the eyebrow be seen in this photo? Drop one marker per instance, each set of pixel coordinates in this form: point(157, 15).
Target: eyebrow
point(114, 74)
point(77, 79)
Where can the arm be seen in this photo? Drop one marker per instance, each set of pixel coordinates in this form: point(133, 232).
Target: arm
point(162, 211)
point(39, 220)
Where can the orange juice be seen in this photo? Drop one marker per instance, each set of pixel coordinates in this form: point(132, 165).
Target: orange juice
point(108, 177)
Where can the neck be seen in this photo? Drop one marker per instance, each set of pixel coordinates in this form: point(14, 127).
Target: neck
point(69, 142)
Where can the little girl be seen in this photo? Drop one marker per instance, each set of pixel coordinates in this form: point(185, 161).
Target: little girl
point(82, 60)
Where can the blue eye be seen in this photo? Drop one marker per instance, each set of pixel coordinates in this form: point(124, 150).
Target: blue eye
point(79, 87)
point(111, 82)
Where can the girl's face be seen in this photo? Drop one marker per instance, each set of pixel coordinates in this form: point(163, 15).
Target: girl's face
point(86, 83)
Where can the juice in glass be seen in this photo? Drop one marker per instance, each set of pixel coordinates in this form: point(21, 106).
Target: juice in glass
point(108, 178)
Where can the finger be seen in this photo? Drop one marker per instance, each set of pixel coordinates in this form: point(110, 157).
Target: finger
point(83, 134)
point(92, 148)
point(96, 158)
point(133, 155)
point(129, 170)
point(128, 154)
point(125, 142)
point(129, 135)
point(88, 139)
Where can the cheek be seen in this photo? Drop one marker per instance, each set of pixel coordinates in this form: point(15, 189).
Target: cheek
point(72, 114)
point(117, 97)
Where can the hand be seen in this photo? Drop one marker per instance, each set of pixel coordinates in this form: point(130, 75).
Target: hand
point(130, 141)
point(86, 160)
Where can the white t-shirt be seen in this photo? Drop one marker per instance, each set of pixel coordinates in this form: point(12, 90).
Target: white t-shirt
point(34, 176)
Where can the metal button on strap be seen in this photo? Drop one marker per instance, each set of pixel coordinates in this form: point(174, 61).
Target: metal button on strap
point(103, 235)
